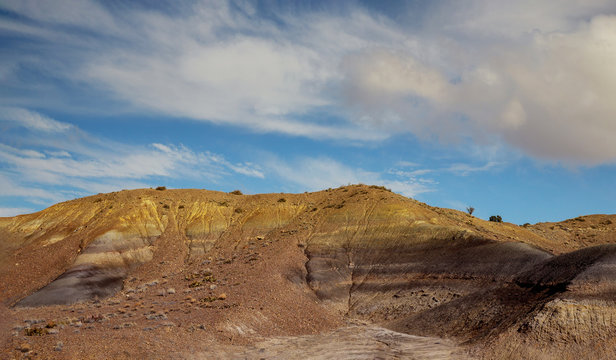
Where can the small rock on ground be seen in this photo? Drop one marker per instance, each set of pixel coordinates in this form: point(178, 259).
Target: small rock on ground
point(25, 347)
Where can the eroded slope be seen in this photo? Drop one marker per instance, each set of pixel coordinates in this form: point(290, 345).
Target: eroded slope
point(248, 267)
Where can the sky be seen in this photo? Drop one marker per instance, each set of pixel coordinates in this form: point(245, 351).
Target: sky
point(505, 106)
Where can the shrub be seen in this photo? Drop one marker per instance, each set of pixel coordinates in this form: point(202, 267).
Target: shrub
point(161, 188)
point(496, 218)
point(470, 210)
point(209, 299)
point(35, 331)
point(195, 284)
point(236, 192)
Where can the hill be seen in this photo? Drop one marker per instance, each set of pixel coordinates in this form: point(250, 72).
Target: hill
point(205, 272)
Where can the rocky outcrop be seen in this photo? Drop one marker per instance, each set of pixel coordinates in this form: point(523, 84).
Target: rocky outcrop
point(99, 270)
point(550, 310)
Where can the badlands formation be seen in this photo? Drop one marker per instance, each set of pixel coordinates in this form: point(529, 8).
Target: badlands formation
point(356, 272)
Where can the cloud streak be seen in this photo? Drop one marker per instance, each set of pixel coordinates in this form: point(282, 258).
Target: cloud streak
point(318, 173)
point(43, 166)
point(6, 212)
point(31, 120)
point(69, 162)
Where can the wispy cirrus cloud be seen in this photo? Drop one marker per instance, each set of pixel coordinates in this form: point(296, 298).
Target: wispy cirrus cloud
point(5, 212)
point(31, 120)
point(68, 162)
point(405, 169)
point(31, 192)
point(317, 173)
point(466, 169)
point(46, 164)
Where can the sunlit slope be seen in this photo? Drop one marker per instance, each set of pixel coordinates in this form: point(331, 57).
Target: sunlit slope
point(296, 262)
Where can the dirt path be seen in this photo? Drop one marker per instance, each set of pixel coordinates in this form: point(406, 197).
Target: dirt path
point(353, 342)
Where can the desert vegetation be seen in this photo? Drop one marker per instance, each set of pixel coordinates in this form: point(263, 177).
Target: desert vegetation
point(496, 218)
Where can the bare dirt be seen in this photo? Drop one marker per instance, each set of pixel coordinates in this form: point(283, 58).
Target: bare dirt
point(354, 272)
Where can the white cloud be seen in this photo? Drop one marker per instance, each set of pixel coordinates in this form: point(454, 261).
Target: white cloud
point(7, 212)
point(323, 172)
point(61, 153)
point(247, 169)
point(407, 164)
point(139, 164)
point(550, 96)
point(545, 93)
point(460, 169)
point(83, 13)
point(32, 120)
point(512, 19)
point(536, 75)
point(65, 166)
point(10, 188)
point(209, 62)
point(83, 164)
point(386, 74)
point(466, 169)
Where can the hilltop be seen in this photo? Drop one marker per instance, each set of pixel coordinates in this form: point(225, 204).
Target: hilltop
point(200, 272)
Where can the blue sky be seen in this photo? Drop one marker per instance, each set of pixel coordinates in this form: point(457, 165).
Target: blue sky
point(504, 106)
